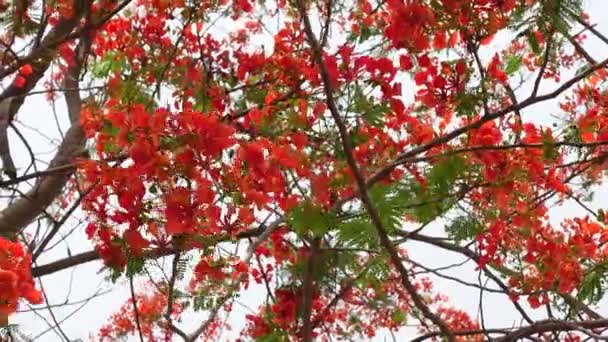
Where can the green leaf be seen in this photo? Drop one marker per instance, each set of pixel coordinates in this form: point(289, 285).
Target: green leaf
point(433, 200)
point(110, 147)
point(111, 62)
point(134, 265)
point(101, 68)
point(399, 317)
point(110, 130)
point(366, 33)
point(131, 92)
point(466, 104)
point(168, 142)
point(513, 64)
point(583, 69)
point(389, 202)
point(257, 95)
point(533, 42)
point(371, 112)
point(443, 175)
point(593, 285)
point(115, 273)
point(378, 272)
point(308, 218)
point(153, 189)
point(464, 228)
point(561, 14)
point(358, 232)
point(550, 152)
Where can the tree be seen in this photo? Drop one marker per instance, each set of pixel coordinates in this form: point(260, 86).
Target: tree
point(303, 147)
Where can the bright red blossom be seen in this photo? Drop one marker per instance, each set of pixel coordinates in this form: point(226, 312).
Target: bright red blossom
point(15, 277)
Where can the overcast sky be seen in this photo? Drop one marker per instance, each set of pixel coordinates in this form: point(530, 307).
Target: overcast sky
point(85, 280)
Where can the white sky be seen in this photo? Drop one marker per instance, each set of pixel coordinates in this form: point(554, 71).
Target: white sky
point(85, 280)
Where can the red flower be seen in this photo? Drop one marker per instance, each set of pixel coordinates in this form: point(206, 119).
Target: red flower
point(136, 242)
point(15, 277)
point(405, 62)
point(8, 292)
point(26, 70)
point(495, 71)
point(20, 81)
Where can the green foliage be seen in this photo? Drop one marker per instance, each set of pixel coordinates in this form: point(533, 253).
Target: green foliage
point(389, 202)
point(593, 286)
point(134, 265)
point(132, 92)
point(113, 132)
point(559, 14)
point(358, 232)
point(466, 104)
point(513, 64)
point(392, 202)
point(399, 317)
point(550, 16)
point(436, 197)
point(308, 218)
point(443, 174)
point(115, 273)
point(170, 143)
point(111, 62)
point(366, 32)
point(370, 111)
point(533, 42)
point(109, 129)
point(583, 69)
point(205, 301)
point(202, 303)
point(377, 272)
point(464, 228)
point(550, 152)
point(257, 96)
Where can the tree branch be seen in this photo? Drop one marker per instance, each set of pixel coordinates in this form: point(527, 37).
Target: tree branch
point(89, 256)
point(385, 171)
point(135, 309)
point(308, 289)
point(12, 98)
point(360, 180)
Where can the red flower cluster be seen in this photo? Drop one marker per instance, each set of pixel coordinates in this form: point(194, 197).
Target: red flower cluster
point(151, 309)
point(24, 72)
point(15, 277)
point(410, 24)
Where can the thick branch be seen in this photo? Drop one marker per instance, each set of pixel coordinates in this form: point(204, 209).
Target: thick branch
point(24, 210)
point(12, 98)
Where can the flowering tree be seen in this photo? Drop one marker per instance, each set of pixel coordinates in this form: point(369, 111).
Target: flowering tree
point(302, 148)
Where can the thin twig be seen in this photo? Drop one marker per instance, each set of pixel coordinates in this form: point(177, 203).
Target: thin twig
point(135, 309)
